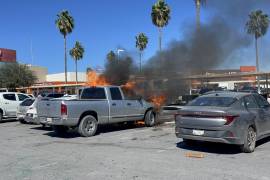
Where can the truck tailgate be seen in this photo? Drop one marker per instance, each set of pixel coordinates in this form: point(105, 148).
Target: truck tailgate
point(49, 108)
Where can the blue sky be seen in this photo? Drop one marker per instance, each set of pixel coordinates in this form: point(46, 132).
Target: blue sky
point(101, 26)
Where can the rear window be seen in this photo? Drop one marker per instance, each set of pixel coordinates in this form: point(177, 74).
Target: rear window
point(27, 102)
point(93, 93)
point(213, 101)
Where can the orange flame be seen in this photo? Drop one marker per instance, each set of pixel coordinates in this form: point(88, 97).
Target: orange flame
point(93, 79)
point(158, 101)
point(129, 85)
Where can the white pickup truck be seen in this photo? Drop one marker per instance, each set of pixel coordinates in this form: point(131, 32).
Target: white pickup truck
point(92, 107)
point(9, 102)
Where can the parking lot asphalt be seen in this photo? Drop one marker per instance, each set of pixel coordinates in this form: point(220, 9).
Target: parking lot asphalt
point(122, 152)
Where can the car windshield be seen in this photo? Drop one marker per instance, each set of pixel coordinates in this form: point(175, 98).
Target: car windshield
point(213, 101)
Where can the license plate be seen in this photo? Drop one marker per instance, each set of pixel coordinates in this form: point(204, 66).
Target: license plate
point(49, 120)
point(198, 132)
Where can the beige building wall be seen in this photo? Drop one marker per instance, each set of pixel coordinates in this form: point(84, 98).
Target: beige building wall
point(71, 77)
point(40, 72)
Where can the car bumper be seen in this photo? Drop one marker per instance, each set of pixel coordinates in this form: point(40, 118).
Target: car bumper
point(57, 121)
point(20, 116)
point(33, 120)
point(219, 136)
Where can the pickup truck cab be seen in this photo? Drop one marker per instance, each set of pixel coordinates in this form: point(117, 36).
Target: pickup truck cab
point(92, 107)
point(9, 102)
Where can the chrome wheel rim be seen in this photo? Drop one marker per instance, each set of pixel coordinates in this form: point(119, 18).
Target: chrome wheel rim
point(152, 117)
point(251, 139)
point(90, 126)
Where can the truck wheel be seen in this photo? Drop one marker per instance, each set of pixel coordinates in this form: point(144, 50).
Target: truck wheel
point(150, 118)
point(60, 130)
point(250, 141)
point(88, 126)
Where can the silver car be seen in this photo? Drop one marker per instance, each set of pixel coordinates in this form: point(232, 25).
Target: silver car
point(230, 117)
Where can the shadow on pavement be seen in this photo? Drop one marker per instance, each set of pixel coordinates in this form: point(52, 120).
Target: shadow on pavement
point(7, 121)
point(72, 133)
point(41, 128)
point(208, 147)
point(263, 141)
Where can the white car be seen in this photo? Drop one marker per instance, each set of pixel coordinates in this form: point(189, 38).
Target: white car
point(23, 108)
point(9, 102)
point(31, 113)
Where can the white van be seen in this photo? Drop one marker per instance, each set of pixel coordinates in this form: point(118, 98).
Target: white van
point(9, 102)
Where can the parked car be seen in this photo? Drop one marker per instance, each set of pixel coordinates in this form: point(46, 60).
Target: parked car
point(229, 117)
point(94, 106)
point(23, 108)
point(31, 113)
point(9, 102)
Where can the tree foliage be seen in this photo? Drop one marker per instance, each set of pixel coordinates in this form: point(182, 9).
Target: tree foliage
point(111, 56)
point(257, 24)
point(77, 51)
point(141, 41)
point(14, 75)
point(160, 14)
point(64, 22)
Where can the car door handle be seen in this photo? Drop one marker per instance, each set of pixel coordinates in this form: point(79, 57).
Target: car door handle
point(113, 104)
point(6, 103)
point(129, 104)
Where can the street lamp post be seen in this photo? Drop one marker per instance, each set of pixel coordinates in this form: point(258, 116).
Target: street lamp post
point(118, 53)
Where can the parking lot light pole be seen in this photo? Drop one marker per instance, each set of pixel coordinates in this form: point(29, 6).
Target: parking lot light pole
point(118, 53)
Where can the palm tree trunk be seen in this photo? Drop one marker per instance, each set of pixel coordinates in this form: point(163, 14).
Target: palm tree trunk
point(65, 44)
point(160, 38)
point(198, 14)
point(140, 61)
point(257, 64)
point(76, 72)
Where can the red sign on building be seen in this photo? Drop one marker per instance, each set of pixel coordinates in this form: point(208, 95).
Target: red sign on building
point(7, 55)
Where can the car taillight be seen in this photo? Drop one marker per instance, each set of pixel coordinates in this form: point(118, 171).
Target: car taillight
point(230, 118)
point(63, 109)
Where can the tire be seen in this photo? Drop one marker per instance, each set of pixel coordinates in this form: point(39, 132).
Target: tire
point(22, 121)
point(1, 116)
point(60, 130)
point(250, 141)
point(43, 125)
point(88, 126)
point(150, 118)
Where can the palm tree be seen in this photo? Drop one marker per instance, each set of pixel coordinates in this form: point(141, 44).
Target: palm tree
point(198, 4)
point(160, 17)
point(77, 53)
point(65, 24)
point(111, 56)
point(257, 25)
point(141, 43)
